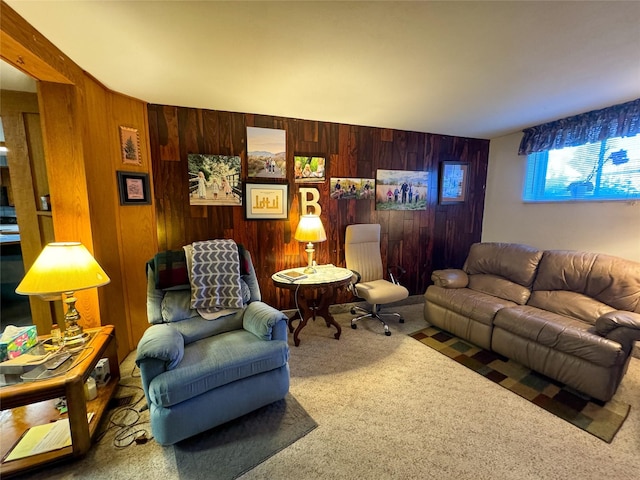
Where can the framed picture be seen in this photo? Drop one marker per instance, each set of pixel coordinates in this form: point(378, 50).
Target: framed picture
point(266, 153)
point(130, 146)
point(264, 201)
point(401, 189)
point(309, 168)
point(134, 188)
point(453, 182)
point(352, 188)
point(214, 180)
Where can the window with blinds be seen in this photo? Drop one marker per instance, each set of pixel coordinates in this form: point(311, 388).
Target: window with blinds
point(607, 170)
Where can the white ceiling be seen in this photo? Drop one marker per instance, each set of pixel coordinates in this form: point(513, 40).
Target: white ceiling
point(473, 69)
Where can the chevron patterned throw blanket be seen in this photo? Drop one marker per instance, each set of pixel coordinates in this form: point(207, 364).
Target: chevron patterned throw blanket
point(215, 275)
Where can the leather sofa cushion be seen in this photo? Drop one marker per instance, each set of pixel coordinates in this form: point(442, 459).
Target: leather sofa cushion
point(512, 261)
point(479, 306)
point(611, 280)
point(570, 304)
point(450, 278)
point(561, 333)
point(217, 361)
point(499, 287)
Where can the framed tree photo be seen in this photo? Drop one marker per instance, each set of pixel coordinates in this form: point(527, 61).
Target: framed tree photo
point(130, 146)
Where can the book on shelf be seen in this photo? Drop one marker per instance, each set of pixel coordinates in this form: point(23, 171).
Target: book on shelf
point(292, 275)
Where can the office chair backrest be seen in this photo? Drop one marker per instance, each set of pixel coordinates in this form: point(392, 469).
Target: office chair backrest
point(362, 251)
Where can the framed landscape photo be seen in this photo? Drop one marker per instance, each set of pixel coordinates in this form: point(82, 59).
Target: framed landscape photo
point(133, 188)
point(130, 146)
point(453, 182)
point(264, 201)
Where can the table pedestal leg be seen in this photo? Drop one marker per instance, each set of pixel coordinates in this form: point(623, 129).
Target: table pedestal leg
point(312, 302)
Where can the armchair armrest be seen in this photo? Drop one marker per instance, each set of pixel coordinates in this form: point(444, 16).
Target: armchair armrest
point(265, 322)
point(161, 348)
point(620, 326)
point(163, 343)
point(450, 278)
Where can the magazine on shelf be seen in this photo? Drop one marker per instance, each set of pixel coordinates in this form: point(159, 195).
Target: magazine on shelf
point(292, 275)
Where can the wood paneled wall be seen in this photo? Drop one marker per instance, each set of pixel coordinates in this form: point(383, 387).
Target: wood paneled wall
point(420, 242)
point(80, 120)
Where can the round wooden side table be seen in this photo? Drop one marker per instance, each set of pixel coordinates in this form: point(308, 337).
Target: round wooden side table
point(314, 295)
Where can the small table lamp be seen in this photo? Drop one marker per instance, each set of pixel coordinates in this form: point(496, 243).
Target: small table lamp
point(310, 230)
point(64, 267)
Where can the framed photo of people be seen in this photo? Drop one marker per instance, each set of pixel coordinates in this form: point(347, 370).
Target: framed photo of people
point(401, 190)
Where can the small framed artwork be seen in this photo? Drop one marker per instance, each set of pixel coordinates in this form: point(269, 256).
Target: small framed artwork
point(134, 188)
point(264, 201)
point(453, 182)
point(130, 146)
point(309, 168)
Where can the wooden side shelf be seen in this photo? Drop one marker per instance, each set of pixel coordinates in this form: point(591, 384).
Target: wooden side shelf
point(33, 403)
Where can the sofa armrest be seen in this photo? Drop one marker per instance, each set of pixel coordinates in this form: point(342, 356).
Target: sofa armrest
point(620, 326)
point(450, 278)
point(265, 322)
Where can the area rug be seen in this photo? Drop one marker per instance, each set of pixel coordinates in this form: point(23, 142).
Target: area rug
point(228, 451)
point(598, 418)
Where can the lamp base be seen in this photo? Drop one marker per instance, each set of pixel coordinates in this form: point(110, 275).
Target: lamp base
point(310, 251)
point(73, 335)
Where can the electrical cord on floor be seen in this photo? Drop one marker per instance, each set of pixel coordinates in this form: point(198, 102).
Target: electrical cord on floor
point(126, 422)
point(295, 295)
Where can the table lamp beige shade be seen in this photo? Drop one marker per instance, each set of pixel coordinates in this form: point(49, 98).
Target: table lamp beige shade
point(64, 267)
point(310, 230)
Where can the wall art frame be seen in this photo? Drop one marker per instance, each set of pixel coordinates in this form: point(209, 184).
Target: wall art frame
point(133, 188)
point(309, 168)
point(266, 201)
point(454, 180)
point(343, 188)
point(215, 179)
point(266, 153)
point(402, 190)
point(130, 146)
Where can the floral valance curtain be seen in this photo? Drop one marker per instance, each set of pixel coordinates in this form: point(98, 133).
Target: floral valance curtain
point(618, 121)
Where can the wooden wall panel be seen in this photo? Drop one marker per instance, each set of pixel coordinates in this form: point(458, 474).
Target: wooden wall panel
point(418, 241)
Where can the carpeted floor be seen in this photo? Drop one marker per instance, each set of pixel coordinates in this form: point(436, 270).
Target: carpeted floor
point(598, 418)
point(228, 451)
point(389, 408)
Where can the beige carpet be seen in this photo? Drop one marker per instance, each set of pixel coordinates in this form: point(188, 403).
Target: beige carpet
point(389, 408)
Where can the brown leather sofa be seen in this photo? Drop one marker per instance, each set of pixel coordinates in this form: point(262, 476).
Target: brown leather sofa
point(572, 316)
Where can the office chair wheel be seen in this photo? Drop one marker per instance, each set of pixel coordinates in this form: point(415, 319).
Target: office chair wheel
point(354, 326)
point(401, 320)
point(353, 310)
point(387, 333)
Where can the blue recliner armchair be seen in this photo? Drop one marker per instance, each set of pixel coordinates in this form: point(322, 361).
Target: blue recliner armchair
point(197, 373)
